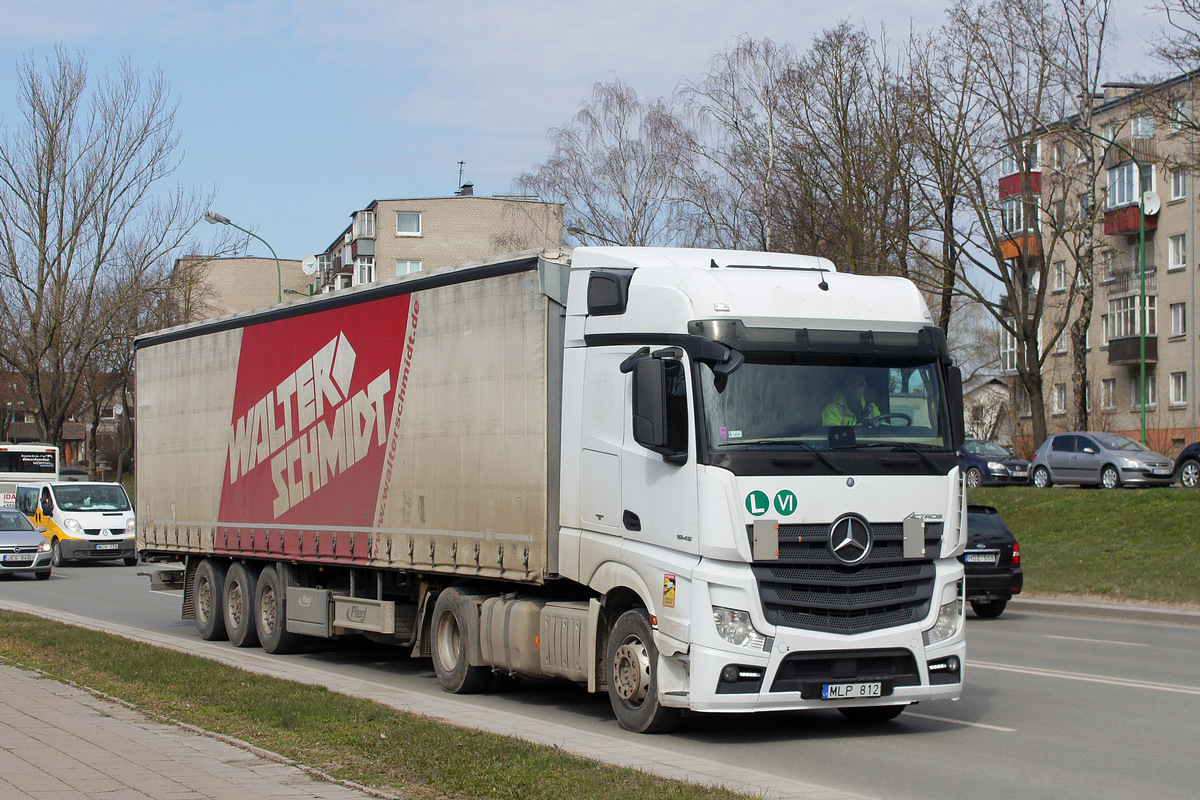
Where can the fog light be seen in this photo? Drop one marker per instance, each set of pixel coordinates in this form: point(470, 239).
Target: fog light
point(729, 674)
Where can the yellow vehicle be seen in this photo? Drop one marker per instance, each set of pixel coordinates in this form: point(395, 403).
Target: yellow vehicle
point(81, 520)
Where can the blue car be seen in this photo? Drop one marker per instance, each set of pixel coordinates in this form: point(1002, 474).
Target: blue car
point(985, 463)
point(1187, 466)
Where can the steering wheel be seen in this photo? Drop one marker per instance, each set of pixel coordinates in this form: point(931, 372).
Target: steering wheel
point(872, 422)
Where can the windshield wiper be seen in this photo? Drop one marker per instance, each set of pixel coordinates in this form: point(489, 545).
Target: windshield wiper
point(907, 447)
point(803, 445)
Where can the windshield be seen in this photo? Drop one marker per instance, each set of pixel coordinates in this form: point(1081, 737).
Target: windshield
point(799, 401)
point(92, 497)
point(985, 449)
point(1115, 441)
point(13, 520)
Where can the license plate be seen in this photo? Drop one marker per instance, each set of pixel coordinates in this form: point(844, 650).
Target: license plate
point(844, 691)
point(112, 546)
point(1161, 471)
point(11, 558)
point(1020, 473)
point(982, 558)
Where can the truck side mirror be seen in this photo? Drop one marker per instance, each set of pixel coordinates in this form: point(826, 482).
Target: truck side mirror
point(651, 410)
point(958, 428)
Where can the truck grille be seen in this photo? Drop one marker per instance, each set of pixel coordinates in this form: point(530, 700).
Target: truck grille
point(808, 588)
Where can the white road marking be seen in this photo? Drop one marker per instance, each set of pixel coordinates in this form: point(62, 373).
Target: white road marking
point(1081, 676)
point(961, 722)
point(1097, 641)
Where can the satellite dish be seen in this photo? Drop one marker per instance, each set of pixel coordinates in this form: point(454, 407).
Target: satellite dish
point(1150, 203)
point(309, 265)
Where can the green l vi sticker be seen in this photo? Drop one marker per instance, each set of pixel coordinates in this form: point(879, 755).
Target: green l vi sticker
point(785, 502)
point(757, 503)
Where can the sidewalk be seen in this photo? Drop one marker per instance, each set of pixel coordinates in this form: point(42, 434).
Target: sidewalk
point(61, 743)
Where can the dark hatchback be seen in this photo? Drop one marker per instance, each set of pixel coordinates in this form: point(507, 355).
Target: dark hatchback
point(1187, 466)
point(985, 463)
point(992, 562)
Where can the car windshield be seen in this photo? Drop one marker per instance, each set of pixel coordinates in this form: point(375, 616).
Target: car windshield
point(985, 449)
point(1115, 441)
point(791, 401)
point(13, 520)
point(92, 497)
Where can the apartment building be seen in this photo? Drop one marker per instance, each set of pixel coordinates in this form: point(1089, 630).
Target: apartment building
point(389, 238)
point(1140, 140)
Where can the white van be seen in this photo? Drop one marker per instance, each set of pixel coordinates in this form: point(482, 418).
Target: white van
point(82, 520)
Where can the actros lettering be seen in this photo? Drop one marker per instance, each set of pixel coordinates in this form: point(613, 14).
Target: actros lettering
point(310, 429)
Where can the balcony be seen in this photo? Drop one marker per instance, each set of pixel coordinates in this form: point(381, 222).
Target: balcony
point(1010, 185)
point(1127, 350)
point(1020, 244)
point(1124, 220)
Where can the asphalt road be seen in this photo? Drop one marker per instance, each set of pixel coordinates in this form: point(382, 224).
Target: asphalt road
point(1055, 706)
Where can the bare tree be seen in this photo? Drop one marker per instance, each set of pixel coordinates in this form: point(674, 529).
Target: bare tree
point(614, 168)
point(83, 225)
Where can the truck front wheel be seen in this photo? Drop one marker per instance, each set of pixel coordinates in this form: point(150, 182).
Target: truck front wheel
point(241, 585)
point(455, 621)
point(208, 588)
point(633, 676)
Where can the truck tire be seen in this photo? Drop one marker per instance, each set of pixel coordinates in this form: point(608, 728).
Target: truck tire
point(241, 584)
point(988, 609)
point(633, 676)
point(270, 614)
point(455, 623)
point(208, 589)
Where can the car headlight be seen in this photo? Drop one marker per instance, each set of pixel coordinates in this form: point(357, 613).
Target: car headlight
point(44, 547)
point(995, 465)
point(737, 628)
point(72, 525)
point(130, 527)
point(1130, 463)
point(949, 619)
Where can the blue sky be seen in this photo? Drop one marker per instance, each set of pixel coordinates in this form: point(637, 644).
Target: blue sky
point(299, 113)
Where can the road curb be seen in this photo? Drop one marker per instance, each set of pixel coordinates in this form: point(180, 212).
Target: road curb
point(1113, 611)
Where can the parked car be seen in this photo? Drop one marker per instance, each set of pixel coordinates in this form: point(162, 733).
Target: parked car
point(992, 561)
point(22, 547)
point(1187, 466)
point(985, 463)
point(1089, 458)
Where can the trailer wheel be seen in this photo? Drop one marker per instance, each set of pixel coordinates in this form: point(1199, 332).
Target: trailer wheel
point(208, 587)
point(633, 676)
point(241, 583)
point(271, 614)
point(455, 622)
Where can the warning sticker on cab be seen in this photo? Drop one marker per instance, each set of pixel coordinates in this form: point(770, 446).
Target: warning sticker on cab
point(669, 591)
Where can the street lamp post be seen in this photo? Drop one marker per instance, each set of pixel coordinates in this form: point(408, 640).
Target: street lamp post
point(215, 218)
point(1142, 311)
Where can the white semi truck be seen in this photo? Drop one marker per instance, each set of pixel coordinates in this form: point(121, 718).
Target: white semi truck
point(693, 479)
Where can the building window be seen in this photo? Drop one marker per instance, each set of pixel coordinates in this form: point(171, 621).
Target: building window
point(1178, 184)
point(407, 267)
point(1058, 399)
point(1012, 215)
point(1178, 319)
point(1060, 276)
point(1123, 184)
point(1060, 154)
point(364, 225)
point(1104, 329)
point(1109, 131)
point(1108, 393)
point(1177, 251)
point(1178, 114)
point(1008, 351)
point(1143, 127)
point(1060, 344)
point(1179, 388)
point(364, 270)
point(1085, 206)
point(1151, 392)
point(1024, 404)
point(408, 223)
point(1108, 266)
point(1123, 317)
point(344, 281)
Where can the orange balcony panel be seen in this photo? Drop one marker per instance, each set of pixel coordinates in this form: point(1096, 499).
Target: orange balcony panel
point(1010, 185)
point(1020, 244)
point(1125, 220)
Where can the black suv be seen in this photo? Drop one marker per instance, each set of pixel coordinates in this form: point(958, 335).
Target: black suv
point(992, 562)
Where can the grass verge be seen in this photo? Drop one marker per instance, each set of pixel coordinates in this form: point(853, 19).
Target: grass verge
point(346, 737)
point(1126, 545)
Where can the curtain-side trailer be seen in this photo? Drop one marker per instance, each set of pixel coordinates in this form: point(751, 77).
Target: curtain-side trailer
point(692, 479)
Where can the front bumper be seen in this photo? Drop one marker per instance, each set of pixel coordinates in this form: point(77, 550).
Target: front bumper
point(1141, 476)
point(98, 549)
point(40, 562)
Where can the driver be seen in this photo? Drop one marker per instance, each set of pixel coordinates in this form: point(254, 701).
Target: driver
point(850, 406)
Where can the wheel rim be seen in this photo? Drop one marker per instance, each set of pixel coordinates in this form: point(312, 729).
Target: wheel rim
point(235, 604)
point(1191, 475)
point(449, 639)
point(974, 478)
point(1109, 478)
point(631, 671)
point(270, 610)
point(1039, 479)
point(204, 599)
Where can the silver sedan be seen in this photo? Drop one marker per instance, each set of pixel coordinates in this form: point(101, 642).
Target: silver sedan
point(22, 547)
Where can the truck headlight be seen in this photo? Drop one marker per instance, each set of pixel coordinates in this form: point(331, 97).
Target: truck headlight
point(948, 619)
point(736, 627)
point(72, 525)
point(130, 527)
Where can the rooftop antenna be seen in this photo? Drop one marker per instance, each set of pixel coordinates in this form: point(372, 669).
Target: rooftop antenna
point(460, 171)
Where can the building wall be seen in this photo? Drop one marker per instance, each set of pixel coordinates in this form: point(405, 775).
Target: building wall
point(239, 284)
